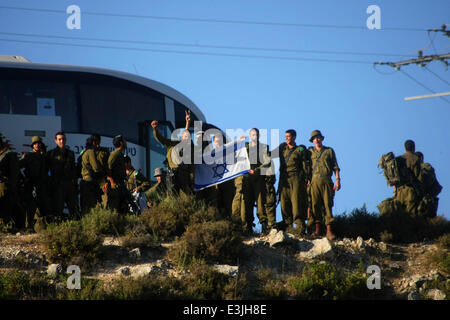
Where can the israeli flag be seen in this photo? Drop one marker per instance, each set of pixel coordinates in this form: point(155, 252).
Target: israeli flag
point(225, 163)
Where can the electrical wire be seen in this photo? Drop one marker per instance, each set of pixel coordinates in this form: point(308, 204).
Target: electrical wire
point(422, 85)
point(201, 46)
point(437, 76)
point(192, 52)
point(279, 24)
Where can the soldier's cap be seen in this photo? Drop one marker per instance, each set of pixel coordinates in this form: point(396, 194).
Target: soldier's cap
point(158, 172)
point(35, 139)
point(314, 134)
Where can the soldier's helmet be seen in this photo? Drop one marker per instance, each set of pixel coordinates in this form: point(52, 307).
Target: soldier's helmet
point(35, 139)
point(314, 134)
point(158, 172)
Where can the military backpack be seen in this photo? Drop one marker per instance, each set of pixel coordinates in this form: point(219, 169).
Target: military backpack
point(429, 181)
point(394, 169)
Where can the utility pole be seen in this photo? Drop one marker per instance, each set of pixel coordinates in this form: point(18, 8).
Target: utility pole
point(423, 60)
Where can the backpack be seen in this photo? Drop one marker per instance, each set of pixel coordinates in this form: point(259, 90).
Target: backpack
point(429, 181)
point(394, 169)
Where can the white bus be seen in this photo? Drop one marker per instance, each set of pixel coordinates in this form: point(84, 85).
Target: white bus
point(42, 99)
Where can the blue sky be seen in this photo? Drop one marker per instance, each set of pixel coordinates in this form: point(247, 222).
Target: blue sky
point(359, 109)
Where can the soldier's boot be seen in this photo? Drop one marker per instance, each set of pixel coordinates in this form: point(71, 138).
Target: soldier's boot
point(317, 231)
point(330, 234)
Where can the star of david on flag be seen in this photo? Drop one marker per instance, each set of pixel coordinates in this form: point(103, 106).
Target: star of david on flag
point(224, 167)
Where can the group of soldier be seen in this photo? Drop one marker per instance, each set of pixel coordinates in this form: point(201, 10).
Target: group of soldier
point(305, 189)
point(415, 184)
point(36, 187)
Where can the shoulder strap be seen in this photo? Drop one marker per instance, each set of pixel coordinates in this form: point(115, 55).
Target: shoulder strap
point(317, 161)
point(3, 155)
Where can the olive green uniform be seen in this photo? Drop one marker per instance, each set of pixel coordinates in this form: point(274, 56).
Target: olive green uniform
point(89, 185)
point(117, 197)
point(238, 199)
point(408, 194)
point(135, 179)
point(294, 172)
point(36, 177)
point(63, 181)
point(9, 177)
point(322, 187)
point(156, 192)
point(253, 187)
point(225, 192)
point(270, 205)
point(183, 173)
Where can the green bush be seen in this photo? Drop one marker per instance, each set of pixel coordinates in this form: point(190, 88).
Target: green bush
point(359, 222)
point(137, 236)
point(19, 285)
point(325, 282)
point(211, 241)
point(104, 222)
point(70, 242)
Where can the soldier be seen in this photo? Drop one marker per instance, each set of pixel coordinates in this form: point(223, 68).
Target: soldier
point(159, 190)
point(9, 177)
point(183, 171)
point(324, 163)
point(36, 178)
point(135, 180)
point(115, 190)
point(90, 171)
point(430, 188)
point(409, 193)
point(63, 177)
point(295, 167)
point(208, 195)
point(253, 184)
point(102, 155)
point(225, 191)
point(270, 205)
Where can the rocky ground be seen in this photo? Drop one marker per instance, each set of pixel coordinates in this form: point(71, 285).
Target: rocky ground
point(405, 269)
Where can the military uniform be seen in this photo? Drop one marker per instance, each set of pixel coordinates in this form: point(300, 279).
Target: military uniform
point(156, 192)
point(294, 172)
point(238, 199)
point(9, 176)
point(36, 178)
point(270, 205)
point(89, 185)
point(409, 193)
point(253, 187)
point(61, 163)
point(135, 179)
point(183, 173)
point(117, 197)
point(225, 192)
point(322, 187)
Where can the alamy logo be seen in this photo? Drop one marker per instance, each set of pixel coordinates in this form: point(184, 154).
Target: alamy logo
point(373, 21)
point(74, 20)
point(374, 281)
point(74, 281)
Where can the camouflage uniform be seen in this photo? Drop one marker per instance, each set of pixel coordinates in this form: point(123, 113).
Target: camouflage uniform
point(63, 181)
point(183, 173)
point(322, 187)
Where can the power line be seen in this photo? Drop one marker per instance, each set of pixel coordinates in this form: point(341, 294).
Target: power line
point(437, 76)
point(192, 52)
point(247, 22)
point(422, 85)
point(203, 46)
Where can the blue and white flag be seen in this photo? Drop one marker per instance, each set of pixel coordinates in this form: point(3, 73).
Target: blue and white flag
point(233, 162)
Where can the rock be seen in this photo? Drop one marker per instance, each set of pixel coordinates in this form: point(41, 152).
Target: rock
point(145, 271)
point(18, 234)
point(371, 242)
point(360, 243)
point(279, 238)
point(125, 271)
point(135, 253)
point(314, 248)
point(53, 270)
point(382, 246)
point(417, 281)
point(414, 296)
point(435, 275)
point(436, 294)
point(231, 271)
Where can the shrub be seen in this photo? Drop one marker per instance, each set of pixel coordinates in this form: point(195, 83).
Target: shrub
point(324, 282)
point(268, 287)
point(137, 236)
point(211, 241)
point(105, 222)
point(69, 241)
point(20, 285)
point(359, 222)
